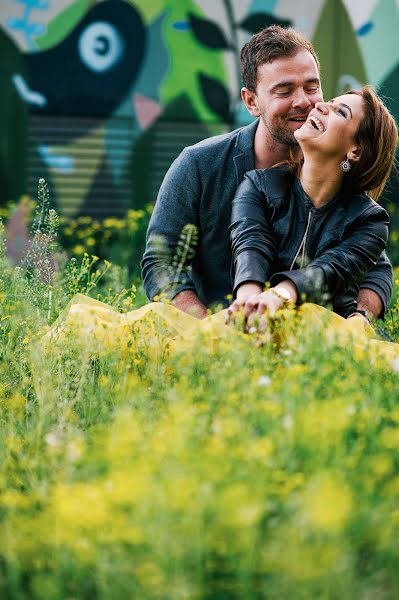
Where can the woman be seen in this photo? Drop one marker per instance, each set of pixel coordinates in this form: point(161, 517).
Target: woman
point(314, 229)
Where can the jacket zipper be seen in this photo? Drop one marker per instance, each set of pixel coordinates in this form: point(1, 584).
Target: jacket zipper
point(302, 245)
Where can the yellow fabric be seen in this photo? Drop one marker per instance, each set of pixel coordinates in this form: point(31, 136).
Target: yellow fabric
point(103, 328)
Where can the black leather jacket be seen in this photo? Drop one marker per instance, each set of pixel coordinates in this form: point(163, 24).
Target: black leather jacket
point(278, 234)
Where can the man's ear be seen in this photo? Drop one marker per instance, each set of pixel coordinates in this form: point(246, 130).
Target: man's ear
point(354, 154)
point(250, 101)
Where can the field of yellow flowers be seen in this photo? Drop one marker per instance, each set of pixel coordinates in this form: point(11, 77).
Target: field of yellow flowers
point(229, 470)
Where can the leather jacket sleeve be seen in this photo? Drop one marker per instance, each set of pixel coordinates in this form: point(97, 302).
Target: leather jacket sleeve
point(338, 268)
point(253, 247)
point(332, 273)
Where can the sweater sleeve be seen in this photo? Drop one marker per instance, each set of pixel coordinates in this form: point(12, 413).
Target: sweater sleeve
point(176, 206)
point(380, 280)
point(253, 246)
point(336, 269)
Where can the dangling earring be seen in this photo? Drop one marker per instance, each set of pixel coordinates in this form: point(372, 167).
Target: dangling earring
point(345, 165)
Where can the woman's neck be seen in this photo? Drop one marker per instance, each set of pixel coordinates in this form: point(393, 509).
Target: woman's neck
point(321, 179)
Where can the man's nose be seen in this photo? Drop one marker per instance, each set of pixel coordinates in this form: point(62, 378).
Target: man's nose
point(300, 99)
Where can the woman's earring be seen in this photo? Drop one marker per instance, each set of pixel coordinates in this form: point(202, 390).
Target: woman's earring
point(345, 165)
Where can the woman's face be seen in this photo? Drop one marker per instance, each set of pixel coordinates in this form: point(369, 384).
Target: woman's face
point(331, 127)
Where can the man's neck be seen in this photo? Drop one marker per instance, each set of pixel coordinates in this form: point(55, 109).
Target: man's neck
point(268, 152)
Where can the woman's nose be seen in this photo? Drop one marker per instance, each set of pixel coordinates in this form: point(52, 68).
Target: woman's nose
point(322, 107)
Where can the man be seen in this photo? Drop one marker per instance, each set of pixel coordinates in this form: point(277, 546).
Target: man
point(280, 72)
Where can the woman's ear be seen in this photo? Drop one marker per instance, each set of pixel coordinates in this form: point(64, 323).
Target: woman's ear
point(250, 101)
point(354, 154)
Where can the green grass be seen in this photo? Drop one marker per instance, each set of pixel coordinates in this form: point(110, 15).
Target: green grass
point(227, 470)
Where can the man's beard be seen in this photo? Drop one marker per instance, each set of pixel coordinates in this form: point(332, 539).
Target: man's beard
point(281, 135)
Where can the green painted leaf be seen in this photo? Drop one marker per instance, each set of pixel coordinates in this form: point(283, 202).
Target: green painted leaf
point(185, 52)
point(63, 24)
point(338, 49)
point(208, 33)
point(216, 96)
point(258, 21)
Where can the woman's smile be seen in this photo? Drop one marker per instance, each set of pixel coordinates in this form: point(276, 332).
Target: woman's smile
point(316, 123)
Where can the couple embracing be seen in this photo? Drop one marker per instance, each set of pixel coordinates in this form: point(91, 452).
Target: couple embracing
point(286, 207)
point(310, 225)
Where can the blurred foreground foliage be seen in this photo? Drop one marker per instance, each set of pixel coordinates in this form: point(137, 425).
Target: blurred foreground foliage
point(230, 471)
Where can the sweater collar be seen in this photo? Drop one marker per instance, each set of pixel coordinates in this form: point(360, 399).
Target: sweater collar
point(244, 160)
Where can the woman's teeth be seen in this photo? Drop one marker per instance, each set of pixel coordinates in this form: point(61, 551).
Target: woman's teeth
point(317, 124)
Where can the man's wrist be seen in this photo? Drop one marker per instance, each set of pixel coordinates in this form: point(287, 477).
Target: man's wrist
point(370, 302)
point(187, 301)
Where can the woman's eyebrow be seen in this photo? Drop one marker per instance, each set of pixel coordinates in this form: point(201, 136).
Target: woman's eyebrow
point(348, 107)
point(344, 105)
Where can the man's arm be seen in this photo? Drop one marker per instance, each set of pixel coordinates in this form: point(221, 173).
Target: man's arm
point(376, 289)
point(370, 302)
point(177, 205)
point(189, 303)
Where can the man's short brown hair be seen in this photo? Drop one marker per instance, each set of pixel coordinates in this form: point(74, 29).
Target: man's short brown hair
point(270, 43)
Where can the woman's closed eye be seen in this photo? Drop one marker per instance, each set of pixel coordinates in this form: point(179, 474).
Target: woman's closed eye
point(343, 112)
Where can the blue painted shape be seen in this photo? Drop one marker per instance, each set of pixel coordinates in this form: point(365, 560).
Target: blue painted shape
point(157, 61)
point(365, 28)
point(16, 24)
point(29, 29)
point(181, 25)
point(37, 4)
point(60, 162)
point(262, 6)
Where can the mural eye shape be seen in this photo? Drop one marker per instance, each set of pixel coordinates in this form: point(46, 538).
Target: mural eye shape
point(100, 46)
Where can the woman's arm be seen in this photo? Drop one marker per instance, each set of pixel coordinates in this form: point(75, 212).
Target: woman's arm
point(253, 250)
point(338, 268)
point(253, 246)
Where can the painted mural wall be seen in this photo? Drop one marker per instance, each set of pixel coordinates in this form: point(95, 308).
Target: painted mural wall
point(99, 97)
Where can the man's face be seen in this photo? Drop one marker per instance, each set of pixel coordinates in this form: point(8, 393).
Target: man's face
point(287, 89)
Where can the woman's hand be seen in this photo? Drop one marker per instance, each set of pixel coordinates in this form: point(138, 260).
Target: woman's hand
point(257, 304)
point(269, 301)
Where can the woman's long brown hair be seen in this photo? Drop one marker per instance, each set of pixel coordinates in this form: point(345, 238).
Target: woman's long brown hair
point(377, 137)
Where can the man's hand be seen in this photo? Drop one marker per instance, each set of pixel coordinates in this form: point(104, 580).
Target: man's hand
point(369, 301)
point(188, 302)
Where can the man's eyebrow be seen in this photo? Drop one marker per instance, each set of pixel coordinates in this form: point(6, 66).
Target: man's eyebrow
point(281, 84)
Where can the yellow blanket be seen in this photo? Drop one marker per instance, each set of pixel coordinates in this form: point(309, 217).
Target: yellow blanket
point(94, 323)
